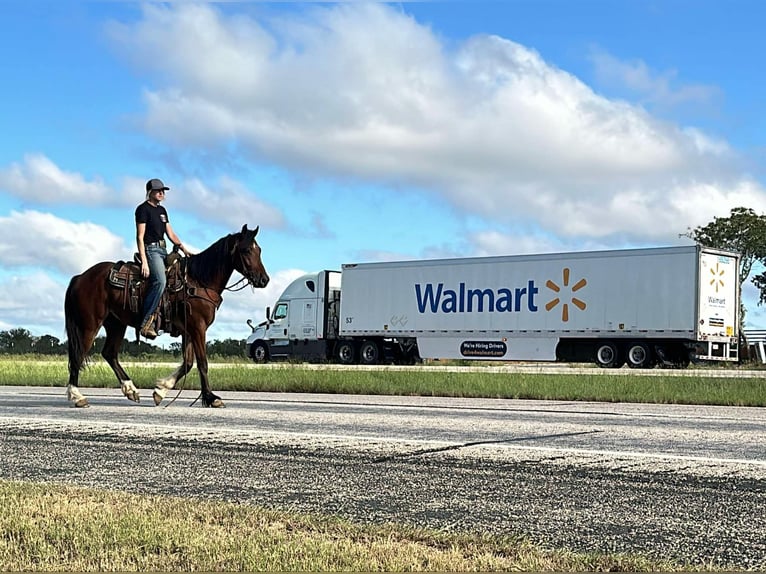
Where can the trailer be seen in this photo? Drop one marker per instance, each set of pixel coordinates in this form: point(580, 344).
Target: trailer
point(644, 307)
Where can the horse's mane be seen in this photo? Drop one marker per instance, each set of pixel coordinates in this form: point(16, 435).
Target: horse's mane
point(206, 266)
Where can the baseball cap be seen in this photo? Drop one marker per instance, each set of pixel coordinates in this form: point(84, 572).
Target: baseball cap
point(155, 184)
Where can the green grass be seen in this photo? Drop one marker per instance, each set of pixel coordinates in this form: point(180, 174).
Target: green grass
point(595, 386)
point(47, 527)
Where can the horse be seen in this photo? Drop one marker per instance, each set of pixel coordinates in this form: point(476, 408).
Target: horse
point(93, 301)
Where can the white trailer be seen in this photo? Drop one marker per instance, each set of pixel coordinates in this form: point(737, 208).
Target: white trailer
point(665, 305)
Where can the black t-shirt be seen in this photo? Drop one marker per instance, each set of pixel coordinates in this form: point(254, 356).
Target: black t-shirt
point(155, 219)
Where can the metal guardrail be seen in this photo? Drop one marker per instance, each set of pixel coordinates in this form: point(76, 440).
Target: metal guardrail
point(756, 343)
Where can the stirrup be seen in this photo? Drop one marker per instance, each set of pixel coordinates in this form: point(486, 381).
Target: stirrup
point(148, 331)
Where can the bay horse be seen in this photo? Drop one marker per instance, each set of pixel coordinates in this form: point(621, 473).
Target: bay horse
point(92, 301)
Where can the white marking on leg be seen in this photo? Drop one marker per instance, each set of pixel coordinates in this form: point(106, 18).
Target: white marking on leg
point(74, 396)
point(162, 386)
point(130, 391)
point(167, 383)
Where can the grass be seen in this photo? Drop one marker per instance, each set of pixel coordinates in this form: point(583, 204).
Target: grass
point(596, 386)
point(47, 527)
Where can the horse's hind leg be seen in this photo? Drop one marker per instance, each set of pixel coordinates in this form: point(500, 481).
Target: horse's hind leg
point(81, 326)
point(115, 333)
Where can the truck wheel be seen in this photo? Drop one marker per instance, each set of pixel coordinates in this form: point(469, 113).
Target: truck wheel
point(369, 353)
point(639, 356)
point(259, 352)
point(346, 353)
point(609, 356)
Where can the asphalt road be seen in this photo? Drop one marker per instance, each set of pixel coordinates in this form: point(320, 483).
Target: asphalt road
point(680, 482)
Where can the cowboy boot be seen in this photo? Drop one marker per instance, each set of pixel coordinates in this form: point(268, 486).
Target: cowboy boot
point(148, 329)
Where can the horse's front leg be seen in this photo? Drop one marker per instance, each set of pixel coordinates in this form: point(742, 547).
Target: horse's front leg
point(209, 399)
point(162, 386)
point(115, 332)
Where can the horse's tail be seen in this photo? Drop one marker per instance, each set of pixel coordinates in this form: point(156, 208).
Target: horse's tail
point(75, 344)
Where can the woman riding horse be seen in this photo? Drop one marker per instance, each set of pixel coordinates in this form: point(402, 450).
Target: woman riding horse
point(92, 302)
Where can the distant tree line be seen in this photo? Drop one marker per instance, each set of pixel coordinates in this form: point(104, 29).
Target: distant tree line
point(22, 342)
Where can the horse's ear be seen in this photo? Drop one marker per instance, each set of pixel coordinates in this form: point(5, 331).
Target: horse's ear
point(244, 228)
point(257, 227)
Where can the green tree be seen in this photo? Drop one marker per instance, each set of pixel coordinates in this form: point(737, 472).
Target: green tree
point(16, 342)
point(48, 345)
point(226, 348)
point(743, 231)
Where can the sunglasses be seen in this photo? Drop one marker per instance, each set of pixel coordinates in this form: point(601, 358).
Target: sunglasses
point(162, 191)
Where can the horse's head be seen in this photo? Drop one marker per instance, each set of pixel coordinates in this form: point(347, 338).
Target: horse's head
point(247, 257)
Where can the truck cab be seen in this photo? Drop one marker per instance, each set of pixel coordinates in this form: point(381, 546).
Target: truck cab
point(304, 319)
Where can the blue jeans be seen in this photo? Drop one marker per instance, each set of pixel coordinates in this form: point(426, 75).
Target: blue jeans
point(155, 257)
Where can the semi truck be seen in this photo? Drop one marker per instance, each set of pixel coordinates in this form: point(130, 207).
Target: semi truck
point(641, 307)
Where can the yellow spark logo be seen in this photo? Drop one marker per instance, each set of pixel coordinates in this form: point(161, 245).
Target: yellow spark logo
point(574, 300)
point(717, 274)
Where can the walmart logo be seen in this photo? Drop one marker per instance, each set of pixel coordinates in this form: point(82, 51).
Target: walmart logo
point(717, 274)
point(580, 304)
point(438, 298)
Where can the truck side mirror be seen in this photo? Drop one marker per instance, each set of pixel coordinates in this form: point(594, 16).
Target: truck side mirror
point(268, 313)
point(250, 324)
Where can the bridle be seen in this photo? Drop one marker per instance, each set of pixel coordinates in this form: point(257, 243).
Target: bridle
point(248, 278)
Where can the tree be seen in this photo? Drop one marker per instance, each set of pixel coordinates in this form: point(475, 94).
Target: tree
point(743, 231)
point(48, 345)
point(226, 348)
point(16, 341)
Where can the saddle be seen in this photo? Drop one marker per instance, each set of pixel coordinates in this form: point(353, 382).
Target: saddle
point(126, 276)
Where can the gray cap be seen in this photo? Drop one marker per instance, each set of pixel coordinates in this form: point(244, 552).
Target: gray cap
point(155, 184)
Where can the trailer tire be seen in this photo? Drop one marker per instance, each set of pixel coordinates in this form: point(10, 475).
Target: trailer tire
point(259, 352)
point(609, 355)
point(346, 353)
point(369, 353)
point(639, 356)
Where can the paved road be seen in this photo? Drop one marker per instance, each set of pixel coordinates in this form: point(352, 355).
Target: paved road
point(681, 482)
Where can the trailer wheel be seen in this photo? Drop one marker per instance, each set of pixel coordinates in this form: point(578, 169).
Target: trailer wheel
point(259, 352)
point(609, 355)
point(346, 353)
point(369, 353)
point(639, 356)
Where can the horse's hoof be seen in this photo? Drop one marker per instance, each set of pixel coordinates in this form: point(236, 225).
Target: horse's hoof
point(217, 404)
point(157, 398)
point(130, 391)
point(82, 403)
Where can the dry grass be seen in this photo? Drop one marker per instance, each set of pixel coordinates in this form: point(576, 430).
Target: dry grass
point(46, 527)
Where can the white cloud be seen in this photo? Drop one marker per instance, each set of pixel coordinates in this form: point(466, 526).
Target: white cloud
point(363, 90)
point(35, 301)
point(38, 180)
point(42, 240)
point(229, 202)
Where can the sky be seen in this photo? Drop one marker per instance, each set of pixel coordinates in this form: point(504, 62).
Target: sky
point(357, 131)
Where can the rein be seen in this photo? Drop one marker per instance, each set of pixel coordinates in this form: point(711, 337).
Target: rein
point(192, 292)
point(246, 279)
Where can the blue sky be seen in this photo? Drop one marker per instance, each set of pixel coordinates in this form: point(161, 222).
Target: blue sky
point(369, 131)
